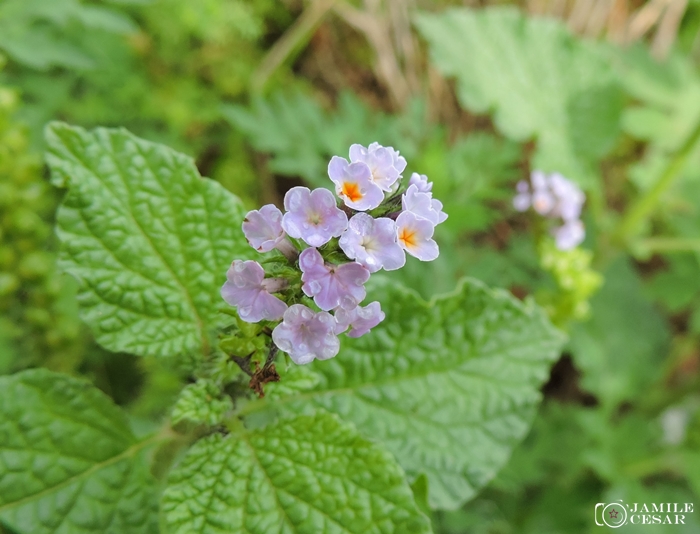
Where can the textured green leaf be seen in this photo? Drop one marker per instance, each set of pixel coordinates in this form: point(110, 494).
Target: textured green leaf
point(201, 403)
point(69, 464)
point(449, 386)
point(310, 474)
point(147, 238)
point(536, 78)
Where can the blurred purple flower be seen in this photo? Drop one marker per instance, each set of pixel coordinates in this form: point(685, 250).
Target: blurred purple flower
point(332, 285)
point(360, 320)
point(247, 289)
point(385, 163)
point(306, 335)
point(521, 201)
point(569, 235)
point(415, 236)
point(372, 243)
point(569, 197)
point(542, 199)
point(353, 183)
point(313, 215)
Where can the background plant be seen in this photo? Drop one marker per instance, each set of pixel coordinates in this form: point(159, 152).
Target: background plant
point(620, 415)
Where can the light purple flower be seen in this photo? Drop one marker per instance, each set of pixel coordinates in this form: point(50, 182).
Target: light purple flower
point(421, 182)
point(521, 201)
point(306, 335)
point(552, 195)
point(423, 205)
point(360, 320)
point(353, 183)
point(247, 289)
point(372, 243)
point(313, 215)
point(542, 199)
point(569, 235)
point(569, 197)
point(332, 285)
point(385, 163)
point(415, 236)
point(263, 228)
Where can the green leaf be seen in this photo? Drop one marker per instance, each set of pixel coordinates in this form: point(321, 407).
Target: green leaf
point(678, 285)
point(201, 403)
point(293, 379)
point(68, 461)
point(309, 474)
point(101, 18)
point(449, 386)
point(302, 136)
point(40, 35)
point(667, 112)
point(470, 175)
point(147, 238)
point(668, 109)
point(536, 78)
point(621, 348)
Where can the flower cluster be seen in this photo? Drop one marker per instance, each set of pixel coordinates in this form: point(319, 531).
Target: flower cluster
point(329, 247)
point(555, 197)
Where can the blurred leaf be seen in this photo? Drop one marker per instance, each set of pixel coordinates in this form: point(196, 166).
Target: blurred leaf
point(536, 78)
point(631, 492)
point(8, 354)
point(678, 286)
point(100, 18)
point(667, 112)
point(301, 136)
point(434, 380)
point(472, 177)
point(309, 474)
point(38, 34)
point(669, 97)
point(147, 238)
point(553, 450)
point(622, 346)
point(69, 462)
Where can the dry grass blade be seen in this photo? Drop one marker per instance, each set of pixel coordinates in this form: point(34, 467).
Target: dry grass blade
point(297, 34)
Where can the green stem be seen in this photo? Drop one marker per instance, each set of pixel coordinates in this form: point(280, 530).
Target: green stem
point(668, 244)
point(645, 205)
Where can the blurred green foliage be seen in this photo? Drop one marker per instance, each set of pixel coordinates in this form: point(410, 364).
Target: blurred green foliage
point(622, 411)
point(39, 323)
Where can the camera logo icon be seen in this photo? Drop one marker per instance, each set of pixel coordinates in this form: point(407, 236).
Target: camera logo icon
point(612, 515)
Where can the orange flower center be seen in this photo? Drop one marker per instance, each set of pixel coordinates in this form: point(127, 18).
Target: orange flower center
point(352, 191)
point(408, 237)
